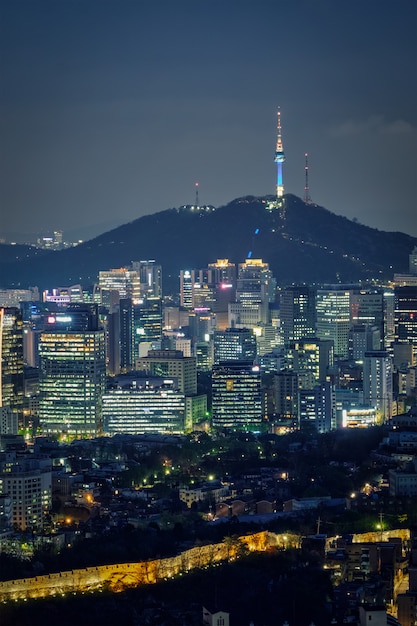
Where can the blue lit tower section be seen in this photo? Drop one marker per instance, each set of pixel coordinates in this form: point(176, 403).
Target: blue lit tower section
point(279, 159)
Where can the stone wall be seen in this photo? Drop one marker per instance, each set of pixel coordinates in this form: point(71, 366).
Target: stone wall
point(123, 575)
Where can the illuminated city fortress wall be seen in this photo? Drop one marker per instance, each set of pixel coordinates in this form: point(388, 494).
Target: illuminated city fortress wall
point(119, 577)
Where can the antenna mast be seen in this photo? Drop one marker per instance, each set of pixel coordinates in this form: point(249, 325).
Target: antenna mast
point(307, 197)
point(196, 195)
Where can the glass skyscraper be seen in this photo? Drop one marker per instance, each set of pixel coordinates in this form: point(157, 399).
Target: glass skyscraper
point(72, 375)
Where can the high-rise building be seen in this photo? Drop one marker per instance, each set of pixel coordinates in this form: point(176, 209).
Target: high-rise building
point(236, 397)
point(147, 316)
point(311, 359)
point(297, 313)
point(318, 407)
point(186, 289)
point(367, 309)
point(149, 410)
point(406, 315)
point(150, 277)
point(126, 314)
point(363, 339)
point(333, 318)
point(285, 393)
point(223, 278)
point(377, 383)
point(72, 373)
point(11, 362)
point(125, 281)
point(389, 318)
point(255, 287)
point(28, 482)
point(171, 364)
point(234, 344)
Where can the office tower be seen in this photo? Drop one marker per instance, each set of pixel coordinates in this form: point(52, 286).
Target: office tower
point(126, 317)
point(123, 280)
point(223, 272)
point(201, 325)
point(186, 289)
point(223, 277)
point(234, 344)
point(134, 410)
point(236, 397)
point(363, 339)
point(285, 395)
point(297, 313)
point(255, 286)
point(333, 318)
point(197, 290)
point(150, 277)
point(367, 309)
point(389, 318)
point(204, 355)
point(171, 364)
point(28, 481)
point(242, 315)
point(147, 324)
point(268, 338)
point(377, 383)
point(72, 372)
point(406, 315)
point(175, 317)
point(318, 407)
point(311, 359)
point(113, 340)
point(204, 296)
point(11, 362)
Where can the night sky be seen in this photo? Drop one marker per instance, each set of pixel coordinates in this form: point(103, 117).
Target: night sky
point(110, 110)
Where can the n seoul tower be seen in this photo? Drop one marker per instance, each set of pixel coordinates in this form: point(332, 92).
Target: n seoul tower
point(279, 159)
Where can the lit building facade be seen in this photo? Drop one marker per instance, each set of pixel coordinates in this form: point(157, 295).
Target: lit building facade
point(11, 362)
point(285, 394)
point(137, 411)
point(297, 313)
point(311, 359)
point(377, 383)
point(171, 364)
point(318, 407)
point(406, 315)
point(234, 344)
point(72, 376)
point(255, 287)
point(125, 281)
point(28, 483)
point(236, 397)
point(333, 318)
point(147, 322)
point(150, 277)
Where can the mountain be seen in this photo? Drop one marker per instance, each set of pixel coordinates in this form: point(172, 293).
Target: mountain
point(310, 245)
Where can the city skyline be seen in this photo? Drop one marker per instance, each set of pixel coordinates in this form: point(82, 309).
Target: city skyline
point(111, 111)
